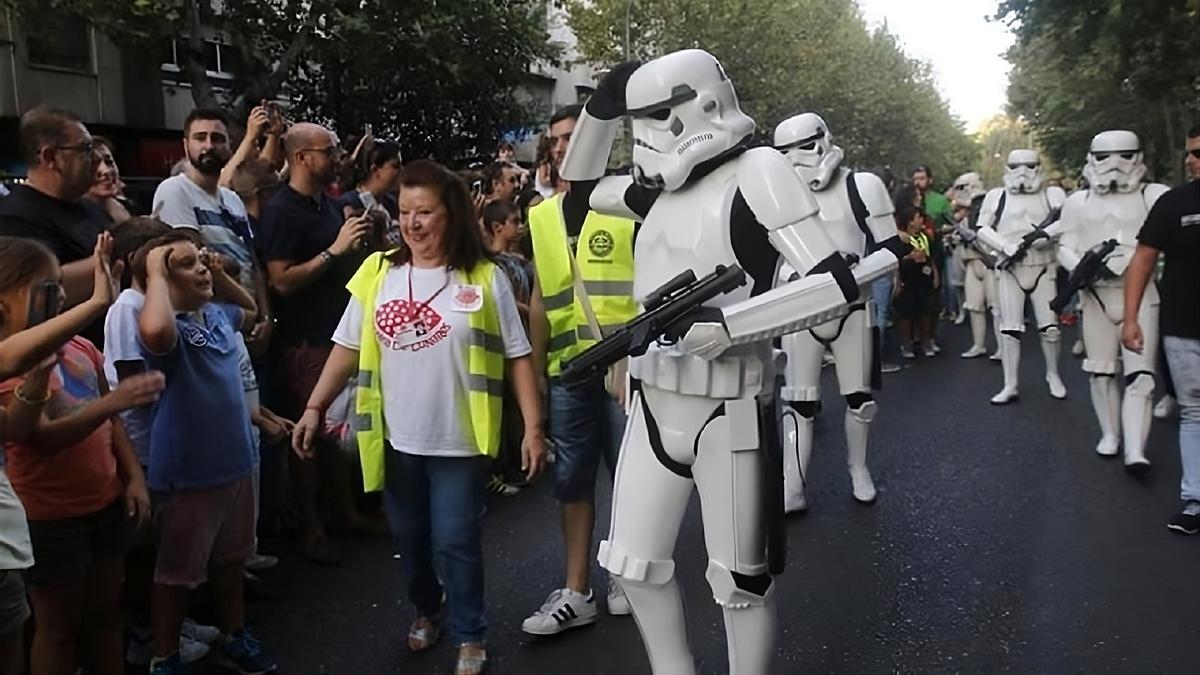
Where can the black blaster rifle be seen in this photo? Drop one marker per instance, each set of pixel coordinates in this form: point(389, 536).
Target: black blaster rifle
point(1090, 267)
point(1031, 238)
point(970, 238)
point(669, 311)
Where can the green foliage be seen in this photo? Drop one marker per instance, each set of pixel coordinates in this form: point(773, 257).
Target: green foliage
point(1083, 66)
point(791, 56)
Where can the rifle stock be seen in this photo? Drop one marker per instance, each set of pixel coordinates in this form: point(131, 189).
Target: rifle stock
point(669, 310)
point(1084, 274)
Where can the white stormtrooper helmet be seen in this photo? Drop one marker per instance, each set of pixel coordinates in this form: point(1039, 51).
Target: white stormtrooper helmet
point(966, 188)
point(806, 141)
point(1024, 173)
point(684, 112)
point(1114, 162)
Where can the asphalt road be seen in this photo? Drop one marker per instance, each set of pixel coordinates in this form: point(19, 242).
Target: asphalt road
point(999, 543)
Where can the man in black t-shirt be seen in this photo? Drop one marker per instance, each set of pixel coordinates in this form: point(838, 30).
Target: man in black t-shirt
point(49, 207)
point(1173, 228)
point(310, 253)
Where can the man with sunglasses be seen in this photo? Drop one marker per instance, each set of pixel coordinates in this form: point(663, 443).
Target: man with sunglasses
point(49, 207)
point(1173, 229)
point(1112, 209)
point(1028, 268)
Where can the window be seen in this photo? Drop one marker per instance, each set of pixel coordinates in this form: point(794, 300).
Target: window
point(60, 41)
point(218, 59)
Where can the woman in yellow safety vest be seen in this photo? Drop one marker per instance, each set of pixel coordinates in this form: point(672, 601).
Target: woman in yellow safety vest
point(432, 331)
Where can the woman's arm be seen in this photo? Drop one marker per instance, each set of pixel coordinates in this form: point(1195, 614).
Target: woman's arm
point(339, 368)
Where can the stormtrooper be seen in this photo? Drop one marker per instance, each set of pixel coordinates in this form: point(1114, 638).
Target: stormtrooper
point(979, 288)
point(1113, 208)
point(1028, 270)
point(701, 410)
point(856, 213)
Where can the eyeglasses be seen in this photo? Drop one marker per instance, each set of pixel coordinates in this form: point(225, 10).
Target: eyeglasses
point(1101, 156)
point(1194, 153)
point(87, 147)
point(1026, 165)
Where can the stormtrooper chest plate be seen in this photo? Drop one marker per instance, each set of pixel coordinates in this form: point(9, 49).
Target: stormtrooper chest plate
point(1111, 216)
point(1021, 214)
point(688, 229)
point(838, 218)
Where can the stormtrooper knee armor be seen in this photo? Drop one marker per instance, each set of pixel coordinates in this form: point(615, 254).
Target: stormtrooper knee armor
point(1028, 268)
point(1113, 208)
point(705, 197)
point(856, 212)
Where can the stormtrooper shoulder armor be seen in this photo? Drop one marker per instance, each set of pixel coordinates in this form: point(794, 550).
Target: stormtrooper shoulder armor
point(1152, 192)
point(1056, 196)
point(874, 193)
point(772, 189)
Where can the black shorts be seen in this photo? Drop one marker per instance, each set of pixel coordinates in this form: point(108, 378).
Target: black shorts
point(913, 303)
point(63, 548)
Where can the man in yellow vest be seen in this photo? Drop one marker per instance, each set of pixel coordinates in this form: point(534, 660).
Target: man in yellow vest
point(586, 423)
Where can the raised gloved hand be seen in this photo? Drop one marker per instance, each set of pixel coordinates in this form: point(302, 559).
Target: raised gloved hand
point(608, 103)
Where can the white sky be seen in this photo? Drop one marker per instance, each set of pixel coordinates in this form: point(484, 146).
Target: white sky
point(965, 49)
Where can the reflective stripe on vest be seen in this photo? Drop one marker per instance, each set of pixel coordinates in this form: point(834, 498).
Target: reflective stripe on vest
point(485, 368)
point(604, 253)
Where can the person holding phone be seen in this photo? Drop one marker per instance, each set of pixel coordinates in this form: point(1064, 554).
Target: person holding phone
point(72, 466)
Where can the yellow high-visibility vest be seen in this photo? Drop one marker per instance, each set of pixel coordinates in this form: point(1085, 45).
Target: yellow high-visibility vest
point(485, 367)
point(604, 254)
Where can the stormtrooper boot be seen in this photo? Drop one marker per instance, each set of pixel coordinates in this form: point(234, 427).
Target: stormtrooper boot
point(797, 450)
point(1050, 349)
point(858, 425)
point(1106, 402)
point(1010, 357)
point(1136, 411)
point(978, 333)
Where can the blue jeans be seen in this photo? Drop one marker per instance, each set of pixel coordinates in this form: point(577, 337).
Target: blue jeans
point(881, 292)
point(433, 505)
point(586, 423)
point(1183, 356)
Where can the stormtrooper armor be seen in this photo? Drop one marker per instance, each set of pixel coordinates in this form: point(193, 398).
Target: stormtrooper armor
point(856, 212)
point(979, 287)
point(702, 410)
point(1113, 208)
point(1008, 215)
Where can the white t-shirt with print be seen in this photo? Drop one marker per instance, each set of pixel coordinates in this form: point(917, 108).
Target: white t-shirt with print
point(423, 368)
point(220, 218)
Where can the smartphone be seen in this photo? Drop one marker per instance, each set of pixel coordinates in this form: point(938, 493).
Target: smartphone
point(46, 301)
point(477, 188)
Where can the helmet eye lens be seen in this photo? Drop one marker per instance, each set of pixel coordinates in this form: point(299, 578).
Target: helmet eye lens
point(809, 146)
point(1023, 165)
point(1126, 155)
point(662, 114)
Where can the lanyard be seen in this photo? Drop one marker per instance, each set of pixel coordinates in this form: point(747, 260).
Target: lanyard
point(415, 309)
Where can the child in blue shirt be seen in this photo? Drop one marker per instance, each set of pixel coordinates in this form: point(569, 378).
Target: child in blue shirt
point(201, 454)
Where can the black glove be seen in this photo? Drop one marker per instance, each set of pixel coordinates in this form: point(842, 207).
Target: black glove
point(1032, 237)
point(608, 103)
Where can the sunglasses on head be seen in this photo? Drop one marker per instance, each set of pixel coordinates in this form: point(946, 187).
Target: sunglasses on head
point(1026, 165)
point(1101, 156)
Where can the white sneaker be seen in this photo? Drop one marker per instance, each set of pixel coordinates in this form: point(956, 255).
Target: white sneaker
point(260, 561)
point(141, 649)
point(618, 604)
point(1165, 407)
point(199, 632)
point(563, 610)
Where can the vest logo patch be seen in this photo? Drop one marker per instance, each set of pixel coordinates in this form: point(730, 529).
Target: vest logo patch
point(601, 243)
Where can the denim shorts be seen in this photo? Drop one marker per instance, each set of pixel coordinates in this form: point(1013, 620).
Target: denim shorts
point(586, 423)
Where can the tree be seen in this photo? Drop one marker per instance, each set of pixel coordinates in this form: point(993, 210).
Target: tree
point(439, 77)
point(1084, 66)
point(790, 56)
